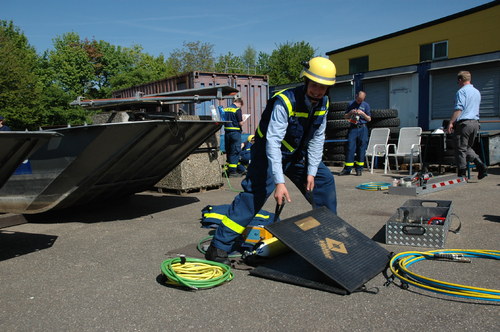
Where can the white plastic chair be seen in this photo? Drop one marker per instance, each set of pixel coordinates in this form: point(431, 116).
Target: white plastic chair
point(408, 146)
point(377, 145)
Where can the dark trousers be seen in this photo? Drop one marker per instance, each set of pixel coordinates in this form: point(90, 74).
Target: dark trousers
point(259, 185)
point(465, 135)
point(356, 147)
point(232, 144)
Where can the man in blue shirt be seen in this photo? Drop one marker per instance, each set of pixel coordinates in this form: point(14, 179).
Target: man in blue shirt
point(288, 141)
point(358, 114)
point(464, 123)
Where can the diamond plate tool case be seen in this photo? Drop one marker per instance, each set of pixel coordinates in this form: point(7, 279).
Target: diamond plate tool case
point(420, 223)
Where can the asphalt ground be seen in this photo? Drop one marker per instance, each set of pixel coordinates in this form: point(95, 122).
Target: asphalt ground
point(97, 268)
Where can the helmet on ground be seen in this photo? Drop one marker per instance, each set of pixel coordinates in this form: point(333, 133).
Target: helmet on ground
point(320, 70)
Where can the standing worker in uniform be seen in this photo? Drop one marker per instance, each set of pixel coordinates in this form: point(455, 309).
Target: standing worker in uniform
point(232, 135)
point(358, 113)
point(288, 141)
point(464, 123)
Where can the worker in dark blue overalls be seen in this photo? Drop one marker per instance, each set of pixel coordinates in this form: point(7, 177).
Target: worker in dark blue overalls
point(232, 135)
point(288, 141)
point(245, 155)
point(358, 114)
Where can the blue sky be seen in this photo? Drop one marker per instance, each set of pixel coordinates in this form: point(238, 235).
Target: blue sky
point(160, 26)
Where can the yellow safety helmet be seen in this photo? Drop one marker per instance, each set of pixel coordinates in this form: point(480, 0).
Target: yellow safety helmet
point(320, 70)
point(250, 137)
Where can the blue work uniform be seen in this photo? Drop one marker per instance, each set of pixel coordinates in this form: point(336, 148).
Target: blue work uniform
point(288, 141)
point(245, 157)
point(232, 137)
point(357, 137)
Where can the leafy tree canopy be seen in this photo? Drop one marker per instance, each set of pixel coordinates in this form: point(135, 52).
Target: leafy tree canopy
point(35, 90)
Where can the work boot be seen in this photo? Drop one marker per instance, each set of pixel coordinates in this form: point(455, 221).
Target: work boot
point(482, 169)
point(345, 171)
point(359, 172)
point(216, 255)
point(462, 172)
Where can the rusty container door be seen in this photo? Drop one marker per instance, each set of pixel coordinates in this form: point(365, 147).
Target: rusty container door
point(253, 89)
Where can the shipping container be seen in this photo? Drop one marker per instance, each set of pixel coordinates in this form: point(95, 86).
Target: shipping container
point(253, 89)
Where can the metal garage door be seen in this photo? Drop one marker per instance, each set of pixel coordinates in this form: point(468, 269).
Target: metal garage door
point(485, 78)
point(377, 92)
point(341, 92)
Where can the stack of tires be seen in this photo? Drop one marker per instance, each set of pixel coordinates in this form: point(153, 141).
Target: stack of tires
point(385, 118)
point(337, 128)
point(336, 131)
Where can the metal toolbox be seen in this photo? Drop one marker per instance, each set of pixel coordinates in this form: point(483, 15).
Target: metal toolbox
point(420, 223)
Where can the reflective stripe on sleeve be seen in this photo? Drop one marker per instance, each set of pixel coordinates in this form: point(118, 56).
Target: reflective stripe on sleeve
point(214, 215)
point(232, 225)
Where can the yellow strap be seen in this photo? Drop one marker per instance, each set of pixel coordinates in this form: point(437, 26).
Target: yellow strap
point(259, 132)
point(300, 114)
point(232, 128)
point(221, 216)
point(287, 103)
point(360, 163)
point(319, 113)
point(230, 110)
point(232, 225)
point(279, 92)
point(288, 146)
point(349, 164)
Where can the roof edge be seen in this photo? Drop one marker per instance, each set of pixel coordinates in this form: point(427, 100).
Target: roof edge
point(418, 27)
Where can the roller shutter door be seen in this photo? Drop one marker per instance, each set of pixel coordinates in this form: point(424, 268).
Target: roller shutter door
point(377, 92)
point(341, 92)
point(485, 78)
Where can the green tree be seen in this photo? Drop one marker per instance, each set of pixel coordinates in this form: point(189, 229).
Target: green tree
point(20, 87)
point(249, 59)
point(139, 68)
point(71, 67)
point(285, 63)
point(229, 63)
point(194, 56)
point(263, 64)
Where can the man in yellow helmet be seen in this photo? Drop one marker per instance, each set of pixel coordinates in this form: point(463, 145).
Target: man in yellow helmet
point(288, 141)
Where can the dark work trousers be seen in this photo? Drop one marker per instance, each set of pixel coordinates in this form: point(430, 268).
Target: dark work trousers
point(259, 185)
point(356, 145)
point(465, 135)
point(232, 144)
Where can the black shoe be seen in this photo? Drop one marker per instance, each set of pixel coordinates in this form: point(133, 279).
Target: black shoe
point(233, 175)
point(216, 255)
point(482, 169)
point(345, 172)
point(462, 172)
point(359, 172)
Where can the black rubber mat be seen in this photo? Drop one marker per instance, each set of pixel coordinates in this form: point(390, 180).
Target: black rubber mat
point(293, 269)
point(331, 245)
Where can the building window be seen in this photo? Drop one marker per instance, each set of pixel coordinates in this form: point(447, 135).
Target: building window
point(358, 65)
point(434, 51)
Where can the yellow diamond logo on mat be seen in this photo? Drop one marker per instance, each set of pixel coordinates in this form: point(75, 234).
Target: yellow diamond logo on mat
point(329, 245)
